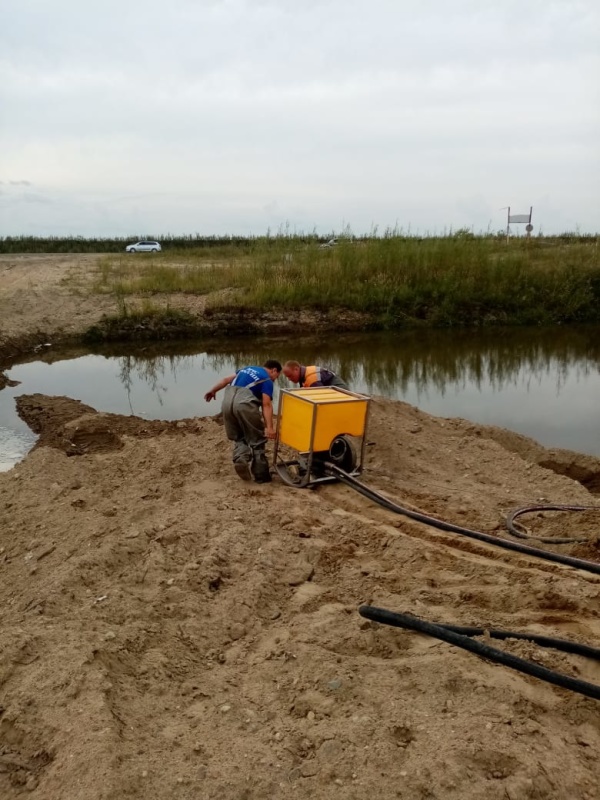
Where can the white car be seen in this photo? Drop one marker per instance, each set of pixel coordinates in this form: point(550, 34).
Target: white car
point(143, 247)
point(330, 243)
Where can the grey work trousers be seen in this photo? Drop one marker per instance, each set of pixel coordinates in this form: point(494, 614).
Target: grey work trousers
point(243, 421)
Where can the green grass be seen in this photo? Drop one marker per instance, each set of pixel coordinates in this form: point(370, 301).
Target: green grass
point(147, 322)
point(394, 280)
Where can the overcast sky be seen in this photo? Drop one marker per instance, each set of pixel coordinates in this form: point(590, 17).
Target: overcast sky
point(131, 117)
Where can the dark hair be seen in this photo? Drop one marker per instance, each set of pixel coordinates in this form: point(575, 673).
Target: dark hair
point(271, 363)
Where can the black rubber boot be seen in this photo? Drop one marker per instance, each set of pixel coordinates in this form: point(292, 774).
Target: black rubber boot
point(260, 467)
point(243, 470)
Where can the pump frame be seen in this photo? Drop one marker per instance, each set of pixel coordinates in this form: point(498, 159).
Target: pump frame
point(307, 459)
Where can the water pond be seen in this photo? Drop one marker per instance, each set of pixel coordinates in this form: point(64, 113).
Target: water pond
point(544, 383)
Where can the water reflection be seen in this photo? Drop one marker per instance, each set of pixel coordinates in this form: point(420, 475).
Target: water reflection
point(151, 371)
point(544, 383)
point(429, 360)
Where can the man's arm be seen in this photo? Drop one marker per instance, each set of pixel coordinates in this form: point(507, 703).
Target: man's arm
point(267, 410)
point(210, 395)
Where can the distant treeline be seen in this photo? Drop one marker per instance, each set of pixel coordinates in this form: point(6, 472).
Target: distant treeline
point(80, 244)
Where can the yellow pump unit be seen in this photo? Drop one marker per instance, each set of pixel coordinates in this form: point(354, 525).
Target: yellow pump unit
point(322, 425)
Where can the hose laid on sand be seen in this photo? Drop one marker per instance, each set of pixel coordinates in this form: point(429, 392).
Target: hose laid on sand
point(371, 494)
point(512, 528)
point(459, 636)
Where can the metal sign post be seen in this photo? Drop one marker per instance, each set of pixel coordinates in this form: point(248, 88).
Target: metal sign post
point(519, 218)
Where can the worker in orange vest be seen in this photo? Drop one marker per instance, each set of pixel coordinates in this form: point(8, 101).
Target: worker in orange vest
point(311, 376)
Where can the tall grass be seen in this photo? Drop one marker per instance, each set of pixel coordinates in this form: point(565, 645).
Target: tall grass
point(394, 280)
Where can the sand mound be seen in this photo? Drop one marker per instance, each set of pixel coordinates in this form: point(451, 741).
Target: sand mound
point(171, 632)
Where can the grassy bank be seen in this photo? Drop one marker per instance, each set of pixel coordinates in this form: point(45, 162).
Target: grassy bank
point(396, 280)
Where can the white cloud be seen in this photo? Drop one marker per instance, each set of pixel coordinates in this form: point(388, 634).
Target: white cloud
point(223, 116)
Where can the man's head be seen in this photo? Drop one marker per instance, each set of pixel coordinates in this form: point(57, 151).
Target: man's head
point(291, 370)
point(273, 367)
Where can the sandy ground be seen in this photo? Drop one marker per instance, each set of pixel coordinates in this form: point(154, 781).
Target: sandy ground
point(49, 293)
point(169, 631)
point(49, 297)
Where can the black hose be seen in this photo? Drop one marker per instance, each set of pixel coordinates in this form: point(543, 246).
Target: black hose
point(564, 645)
point(447, 633)
point(510, 523)
point(371, 494)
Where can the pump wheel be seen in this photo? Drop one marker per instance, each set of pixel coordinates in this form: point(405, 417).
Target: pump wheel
point(342, 453)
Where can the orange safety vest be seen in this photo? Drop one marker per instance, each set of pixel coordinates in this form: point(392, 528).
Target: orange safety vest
point(312, 375)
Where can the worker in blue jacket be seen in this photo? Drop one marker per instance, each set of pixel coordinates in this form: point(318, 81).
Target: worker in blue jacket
point(248, 417)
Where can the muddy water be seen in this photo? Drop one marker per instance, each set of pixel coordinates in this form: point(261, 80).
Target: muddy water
point(542, 383)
